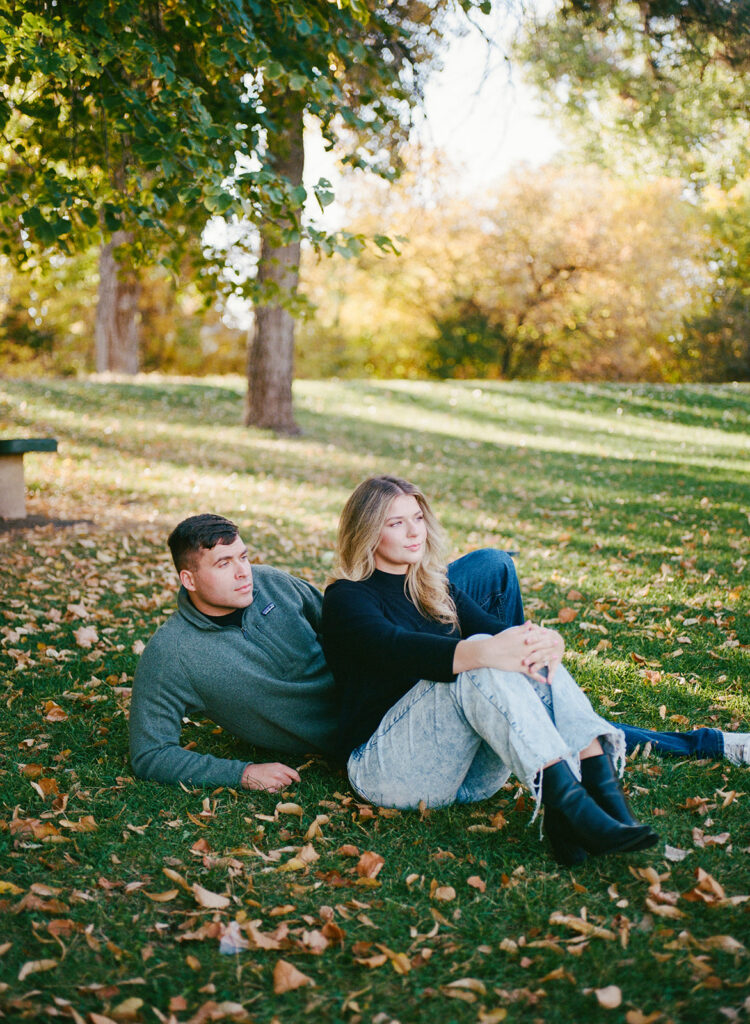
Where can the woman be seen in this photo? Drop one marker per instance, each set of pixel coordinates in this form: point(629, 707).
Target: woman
point(438, 706)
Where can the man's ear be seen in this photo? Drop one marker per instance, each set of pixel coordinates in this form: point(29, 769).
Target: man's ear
point(187, 579)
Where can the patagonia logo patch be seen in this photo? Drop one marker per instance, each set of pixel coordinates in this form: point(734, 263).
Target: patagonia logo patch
point(269, 608)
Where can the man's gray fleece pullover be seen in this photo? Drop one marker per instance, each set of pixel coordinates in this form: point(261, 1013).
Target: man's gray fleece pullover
point(267, 683)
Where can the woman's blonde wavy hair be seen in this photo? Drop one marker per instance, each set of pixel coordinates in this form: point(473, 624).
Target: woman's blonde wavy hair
point(360, 527)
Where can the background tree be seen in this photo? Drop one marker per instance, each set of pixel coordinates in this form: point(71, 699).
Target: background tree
point(656, 85)
point(716, 338)
point(662, 86)
point(129, 124)
point(115, 117)
point(378, 66)
point(557, 273)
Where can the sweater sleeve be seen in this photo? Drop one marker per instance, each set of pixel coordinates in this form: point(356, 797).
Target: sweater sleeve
point(356, 630)
point(161, 696)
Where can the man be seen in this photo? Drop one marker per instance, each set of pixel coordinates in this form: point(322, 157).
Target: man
point(242, 649)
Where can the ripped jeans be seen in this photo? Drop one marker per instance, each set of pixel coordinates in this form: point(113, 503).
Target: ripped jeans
point(445, 743)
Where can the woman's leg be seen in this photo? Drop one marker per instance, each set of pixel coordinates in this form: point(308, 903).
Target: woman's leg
point(440, 733)
point(489, 578)
point(448, 742)
point(422, 751)
point(703, 742)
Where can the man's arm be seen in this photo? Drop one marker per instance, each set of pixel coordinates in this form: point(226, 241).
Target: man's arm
point(161, 696)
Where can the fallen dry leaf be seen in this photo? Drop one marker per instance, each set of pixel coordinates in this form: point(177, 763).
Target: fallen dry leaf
point(664, 909)
point(177, 878)
point(86, 636)
point(314, 830)
point(495, 1016)
point(85, 823)
point(476, 883)
point(209, 900)
point(444, 893)
point(370, 864)
point(212, 1011)
point(53, 712)
point(34, 966)
point(609, 997)
point(289, 809)
point(567, 614)
point(286, 978)
point(45, 787)
point(128, 1009)
point(577, 924)
point(9, 887)
point(161, 897)
point(726, 943)
point(400, 962)
point(314, 940)
point(376, 960)
point(263, 940)
point(472, 984)
point(674, 853)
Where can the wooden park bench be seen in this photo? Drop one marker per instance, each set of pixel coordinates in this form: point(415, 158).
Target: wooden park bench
point(12, 491)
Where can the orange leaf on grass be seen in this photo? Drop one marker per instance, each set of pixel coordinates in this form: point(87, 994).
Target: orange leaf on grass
point(209, 900)
point(286, 978)
point(444, 893)
point(370, 864)
point(161, 897)
point(85, 823)
point(53, 712)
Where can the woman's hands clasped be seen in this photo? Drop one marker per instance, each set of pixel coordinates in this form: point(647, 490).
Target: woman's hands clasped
point(544, 649)
point(528, 648)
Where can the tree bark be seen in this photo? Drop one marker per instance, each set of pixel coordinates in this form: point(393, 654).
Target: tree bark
point(117, 332)
point(270, 364)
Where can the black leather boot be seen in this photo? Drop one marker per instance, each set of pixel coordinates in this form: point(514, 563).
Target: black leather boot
point(600, 781)
point(563, 850)
point(587, 825)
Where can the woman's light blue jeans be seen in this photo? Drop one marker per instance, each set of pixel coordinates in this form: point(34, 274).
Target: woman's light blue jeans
point(489, 577)
point(446, 743)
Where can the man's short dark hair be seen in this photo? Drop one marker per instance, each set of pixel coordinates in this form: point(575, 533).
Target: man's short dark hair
point(196, 533)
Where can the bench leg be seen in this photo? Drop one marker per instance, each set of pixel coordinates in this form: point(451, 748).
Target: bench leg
point(12, 493)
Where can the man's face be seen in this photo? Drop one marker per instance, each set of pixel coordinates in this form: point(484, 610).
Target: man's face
point(221, 579)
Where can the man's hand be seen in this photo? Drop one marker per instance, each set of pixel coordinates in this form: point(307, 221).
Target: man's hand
point(271, 777)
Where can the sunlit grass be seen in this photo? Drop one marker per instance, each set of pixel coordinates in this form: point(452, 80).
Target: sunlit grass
point(629, 505)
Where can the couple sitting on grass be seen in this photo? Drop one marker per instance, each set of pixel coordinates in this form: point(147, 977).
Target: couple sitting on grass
point(424, 680)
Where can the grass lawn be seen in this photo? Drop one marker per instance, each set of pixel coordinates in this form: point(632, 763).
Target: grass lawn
point(630, 507)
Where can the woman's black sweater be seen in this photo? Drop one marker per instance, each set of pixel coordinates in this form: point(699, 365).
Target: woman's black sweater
point(378, 645)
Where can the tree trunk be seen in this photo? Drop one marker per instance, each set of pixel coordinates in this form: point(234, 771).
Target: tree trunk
point(117, 332)
point(270, 363)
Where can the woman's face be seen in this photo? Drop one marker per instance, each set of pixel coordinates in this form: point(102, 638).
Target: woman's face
point(403, 536)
